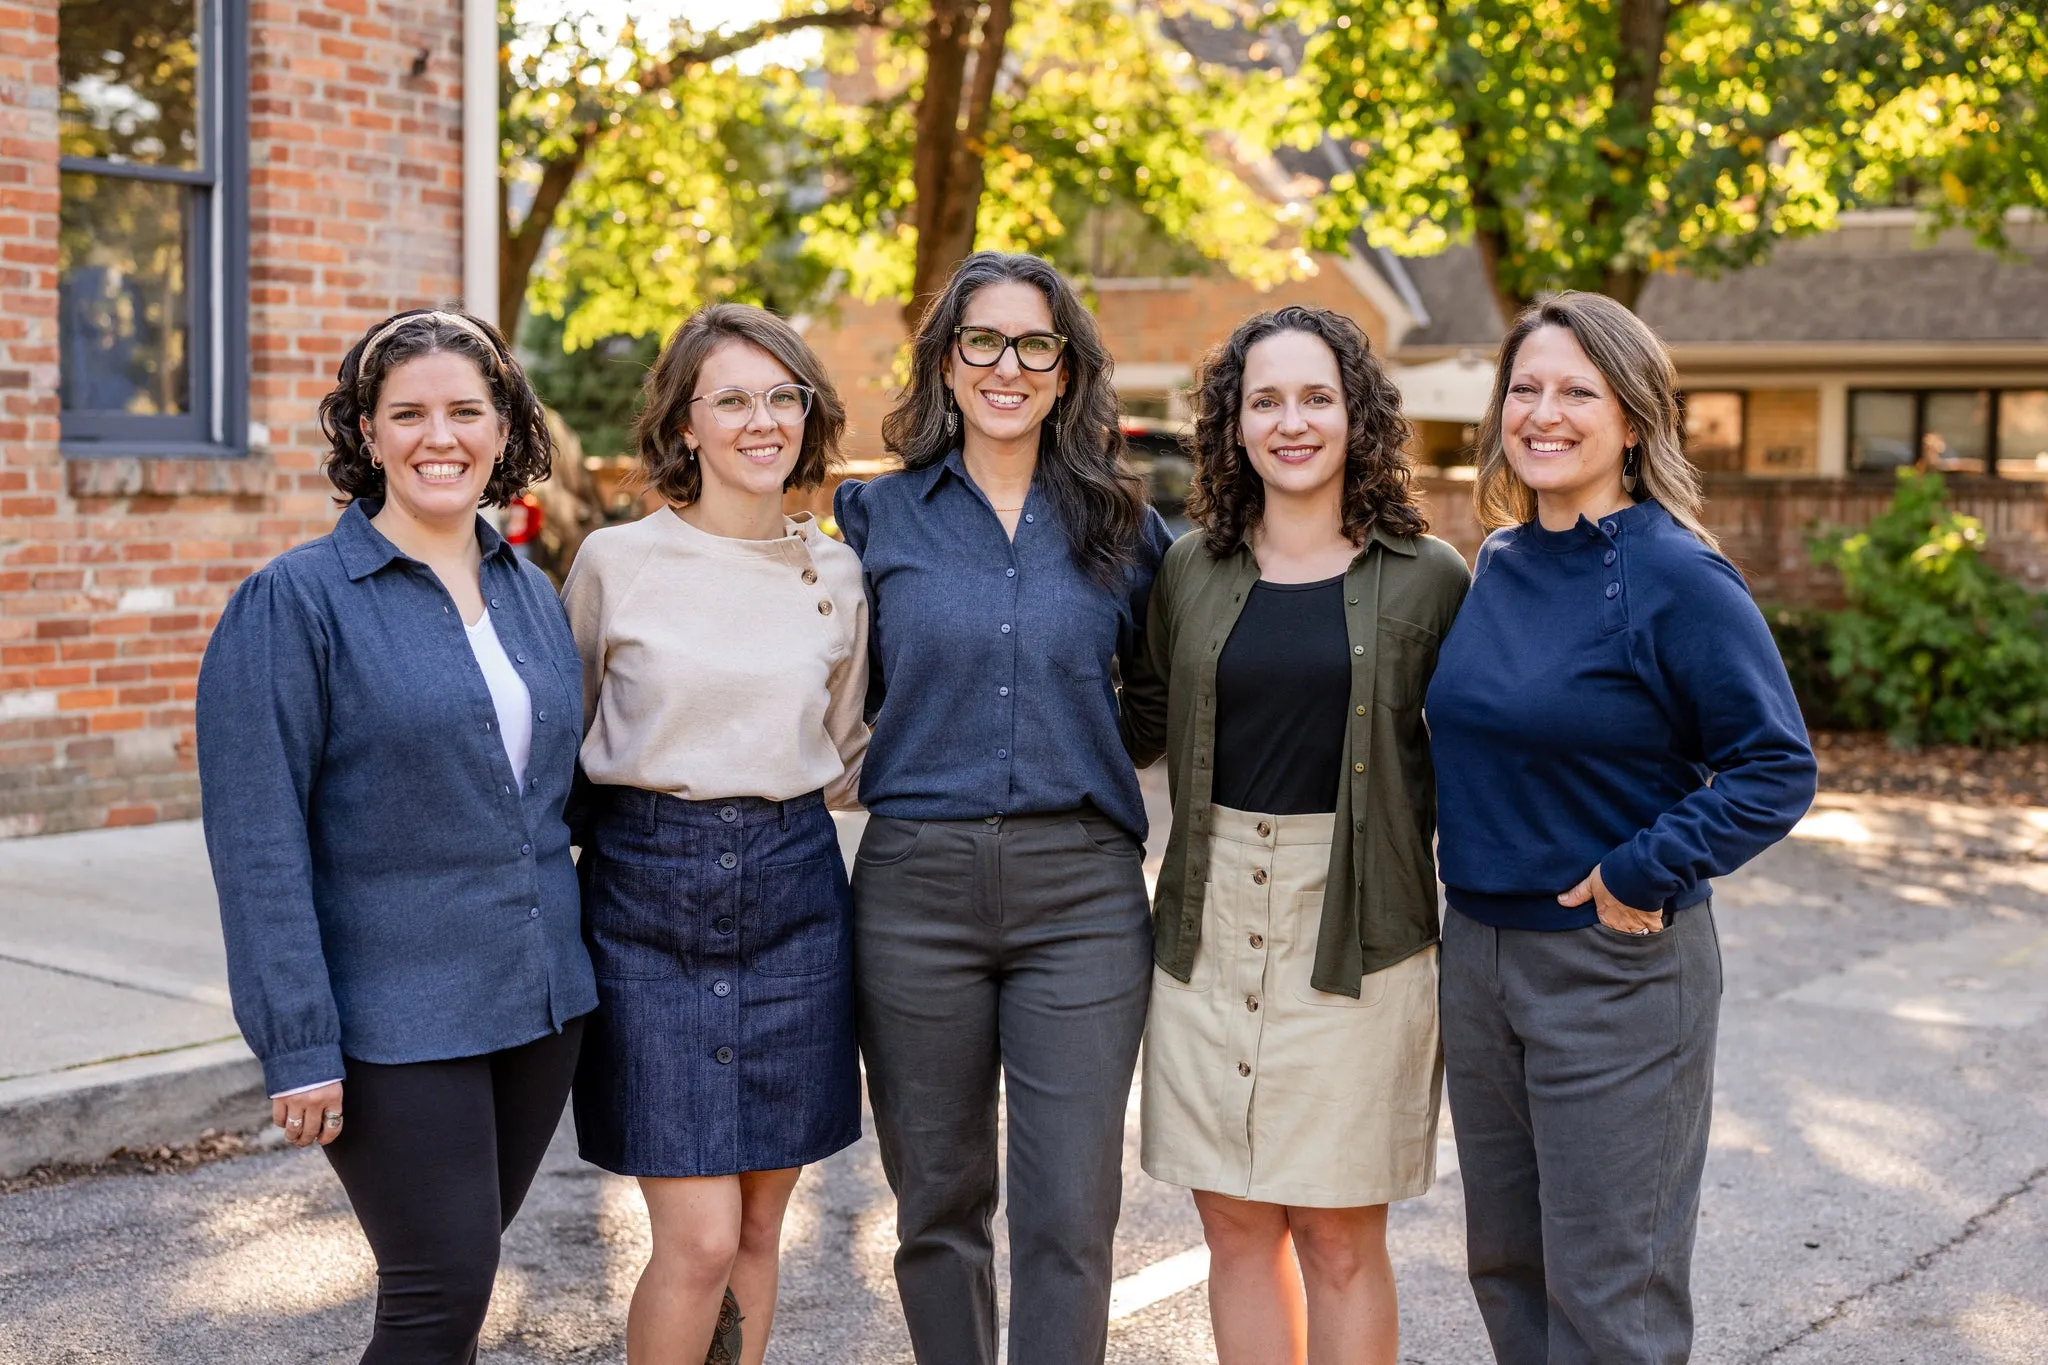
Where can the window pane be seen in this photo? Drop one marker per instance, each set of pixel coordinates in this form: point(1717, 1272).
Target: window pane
point(1880, 430)
point(2023, 433)
point(130, 74)
point(124, 323)
point(1713, 430)
point(1958, 432)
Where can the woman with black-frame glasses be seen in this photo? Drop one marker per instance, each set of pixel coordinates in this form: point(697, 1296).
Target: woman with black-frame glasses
point(724, 651)
point(1000, 920)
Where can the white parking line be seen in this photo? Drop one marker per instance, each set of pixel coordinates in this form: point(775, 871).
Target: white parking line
point(1160, 1280)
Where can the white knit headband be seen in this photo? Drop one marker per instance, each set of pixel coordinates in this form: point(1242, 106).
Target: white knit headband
point(435, 315)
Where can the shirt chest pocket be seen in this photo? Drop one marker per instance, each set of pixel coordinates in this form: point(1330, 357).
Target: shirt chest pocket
point(1407, 658)
point(1078, 625)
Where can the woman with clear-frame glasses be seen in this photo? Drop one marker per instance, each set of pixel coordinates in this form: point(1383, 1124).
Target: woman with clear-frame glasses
point(724, 650)
point(1000, 922)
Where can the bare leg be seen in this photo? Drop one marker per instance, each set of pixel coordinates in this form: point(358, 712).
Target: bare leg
point(764, 1198)
point(1255, 1293)
point(1352, 1315)
point(696, 1224)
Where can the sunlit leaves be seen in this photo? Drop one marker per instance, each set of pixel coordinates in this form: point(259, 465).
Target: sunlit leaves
point(1500, 118)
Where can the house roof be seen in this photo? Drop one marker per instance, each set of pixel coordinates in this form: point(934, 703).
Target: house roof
point(1870, 281)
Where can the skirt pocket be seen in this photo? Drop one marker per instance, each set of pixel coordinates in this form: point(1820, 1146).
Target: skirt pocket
point(798, 924)
point(631, 920)
point(1301, 965)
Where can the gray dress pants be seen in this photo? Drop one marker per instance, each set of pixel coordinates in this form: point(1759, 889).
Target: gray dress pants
point(1021, 944)
point(1580, 1068)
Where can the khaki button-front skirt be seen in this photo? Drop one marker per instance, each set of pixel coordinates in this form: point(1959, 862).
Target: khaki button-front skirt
point(1259, 1086)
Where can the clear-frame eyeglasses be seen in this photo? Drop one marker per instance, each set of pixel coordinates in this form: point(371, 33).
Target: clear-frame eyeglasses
point(785, 404)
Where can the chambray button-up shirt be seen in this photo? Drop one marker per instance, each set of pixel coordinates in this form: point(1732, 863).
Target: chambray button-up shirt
point(991, 686)
point(388, 889)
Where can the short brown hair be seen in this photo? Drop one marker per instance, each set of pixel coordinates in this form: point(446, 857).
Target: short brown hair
point(1228, 496)
point(667, 464)
point(529, 449)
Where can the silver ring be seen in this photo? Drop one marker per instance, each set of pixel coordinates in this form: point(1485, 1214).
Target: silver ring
point(294, 1121)
point(333, 1117)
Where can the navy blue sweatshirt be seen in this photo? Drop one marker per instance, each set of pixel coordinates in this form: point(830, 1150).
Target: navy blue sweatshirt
point(1608, 695)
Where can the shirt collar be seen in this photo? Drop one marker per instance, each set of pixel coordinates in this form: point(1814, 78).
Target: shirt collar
point(1400, 545)
point(364, 549)
point(934, 474)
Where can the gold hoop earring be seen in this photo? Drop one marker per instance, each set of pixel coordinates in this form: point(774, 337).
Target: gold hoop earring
point(375, 462)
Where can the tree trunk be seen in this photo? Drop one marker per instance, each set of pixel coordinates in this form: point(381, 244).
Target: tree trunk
point(519, 248)
point(1641, 29)
point(951, 141)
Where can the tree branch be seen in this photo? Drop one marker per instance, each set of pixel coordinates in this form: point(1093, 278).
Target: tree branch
point(520, 244)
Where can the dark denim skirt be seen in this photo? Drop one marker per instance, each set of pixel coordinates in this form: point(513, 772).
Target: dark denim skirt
point(722, 936)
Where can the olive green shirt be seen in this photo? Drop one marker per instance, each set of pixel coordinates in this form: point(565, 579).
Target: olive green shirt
point(1380, 906)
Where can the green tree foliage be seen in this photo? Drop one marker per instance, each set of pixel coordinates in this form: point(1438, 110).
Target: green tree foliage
point(670, 173)
point(1935, 644)
point(1588, 143)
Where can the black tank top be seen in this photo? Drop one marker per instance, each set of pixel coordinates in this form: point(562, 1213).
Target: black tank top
point(1283, 684)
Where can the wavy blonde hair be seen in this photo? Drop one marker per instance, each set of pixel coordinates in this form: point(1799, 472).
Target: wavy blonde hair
point(1633, 361)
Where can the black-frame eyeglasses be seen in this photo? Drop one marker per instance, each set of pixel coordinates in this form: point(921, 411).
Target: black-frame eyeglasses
point(982, 347)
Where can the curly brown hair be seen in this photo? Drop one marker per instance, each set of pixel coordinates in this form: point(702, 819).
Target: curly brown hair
point(1228, 496)
point(667, 464)
point(529, 449)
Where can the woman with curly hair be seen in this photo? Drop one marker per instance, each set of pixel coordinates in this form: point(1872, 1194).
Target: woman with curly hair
point(387, 722)
point(1292, 1066)
point(999, 895)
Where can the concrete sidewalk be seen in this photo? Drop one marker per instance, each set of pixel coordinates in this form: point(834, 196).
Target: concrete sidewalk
point(114, 1022)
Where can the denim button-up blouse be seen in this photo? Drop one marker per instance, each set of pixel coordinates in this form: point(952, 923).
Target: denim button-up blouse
point(990, 683)
point(388, 889)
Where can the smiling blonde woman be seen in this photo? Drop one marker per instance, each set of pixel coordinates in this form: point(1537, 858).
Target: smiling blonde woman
point(1612, 727)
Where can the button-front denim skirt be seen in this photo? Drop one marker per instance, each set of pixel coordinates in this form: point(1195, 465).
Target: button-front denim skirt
point(721, 932)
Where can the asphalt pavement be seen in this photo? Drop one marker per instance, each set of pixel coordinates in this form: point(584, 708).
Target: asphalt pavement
point(1877, 1189)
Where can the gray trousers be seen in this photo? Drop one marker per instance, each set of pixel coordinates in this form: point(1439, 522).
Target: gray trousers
point(1580, 1068)
point(1020, 945)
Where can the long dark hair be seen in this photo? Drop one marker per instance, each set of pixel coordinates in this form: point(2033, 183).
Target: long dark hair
point(1081, 463)
point(1228, 496)
point(667, 464)
point(529, 448)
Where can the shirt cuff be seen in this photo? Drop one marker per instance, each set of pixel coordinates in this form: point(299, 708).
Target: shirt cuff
point(302, 1089)
point(287, 1073)
point(1631, 882)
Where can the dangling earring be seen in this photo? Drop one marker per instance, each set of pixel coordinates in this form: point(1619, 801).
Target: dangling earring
point(952, 420)
point(1631, 463)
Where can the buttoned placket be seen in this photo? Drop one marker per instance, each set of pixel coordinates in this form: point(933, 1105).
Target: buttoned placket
point(1245, 958)
point(1009, 596)
point(720, 961)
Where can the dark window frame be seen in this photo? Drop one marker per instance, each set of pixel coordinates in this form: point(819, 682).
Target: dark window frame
point(1993, 450)
point(217, 271)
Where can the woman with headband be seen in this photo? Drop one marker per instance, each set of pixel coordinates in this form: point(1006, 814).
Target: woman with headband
point(388, 719)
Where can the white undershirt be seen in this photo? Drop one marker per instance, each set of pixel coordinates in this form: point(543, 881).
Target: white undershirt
point(514, 705)
point(508, 694)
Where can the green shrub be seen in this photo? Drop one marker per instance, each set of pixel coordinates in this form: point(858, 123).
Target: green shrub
point(1802, 637)
point(1935, 644)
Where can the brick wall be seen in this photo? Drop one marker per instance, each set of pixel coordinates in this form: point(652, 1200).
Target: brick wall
point(112, 571)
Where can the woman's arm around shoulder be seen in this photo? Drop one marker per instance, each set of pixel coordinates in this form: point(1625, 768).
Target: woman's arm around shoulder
point(850, 513)
point(262, 727)
point(847, 683)
point(1147, 668)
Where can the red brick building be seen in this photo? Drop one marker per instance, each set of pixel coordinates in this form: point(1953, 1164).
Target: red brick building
point(201, 205)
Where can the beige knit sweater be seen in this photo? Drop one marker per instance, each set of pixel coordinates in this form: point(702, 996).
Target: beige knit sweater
point(716, 667)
